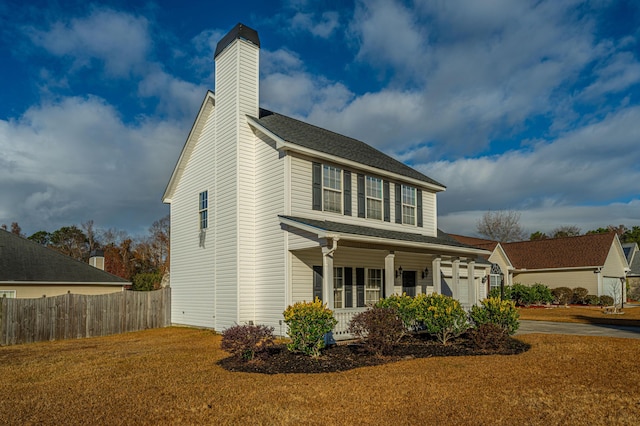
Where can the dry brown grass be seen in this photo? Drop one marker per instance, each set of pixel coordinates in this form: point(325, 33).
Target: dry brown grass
point(170, 376)
point(582, 314)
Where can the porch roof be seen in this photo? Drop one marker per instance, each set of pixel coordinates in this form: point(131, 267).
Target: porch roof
point(329, 229)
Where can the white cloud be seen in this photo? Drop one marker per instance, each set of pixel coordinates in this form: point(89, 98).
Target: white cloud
point(323, 27)
point(76, 160)
point(119, 40)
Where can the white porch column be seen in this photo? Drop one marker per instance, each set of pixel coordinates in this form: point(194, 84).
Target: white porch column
point(437, 281)
point(471, 279)
point(389, 273)
point(327, 272)
point(455, 278)
point(598, 272)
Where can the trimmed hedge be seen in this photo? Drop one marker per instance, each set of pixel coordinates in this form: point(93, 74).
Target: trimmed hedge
point(502, 313)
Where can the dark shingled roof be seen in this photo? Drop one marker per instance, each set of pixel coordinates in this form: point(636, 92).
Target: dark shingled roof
point(441, 239)
point(25, 260)
point(476, 242)
point(568, 252)
point(328, 142)
point(239, 31)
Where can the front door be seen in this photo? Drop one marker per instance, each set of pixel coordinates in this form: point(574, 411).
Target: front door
point(409, 283)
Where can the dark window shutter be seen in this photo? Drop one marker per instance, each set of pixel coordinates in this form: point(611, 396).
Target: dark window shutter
point(360, 287)
point(317, 186)
point(348, 288)
point(419, 206)
point(386, 201)
point(347, 192)
point(317, 282)
point(384, 288)
point(398, 203)
point(361, 198)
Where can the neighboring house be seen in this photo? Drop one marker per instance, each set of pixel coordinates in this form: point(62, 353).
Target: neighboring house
point(29, 270)
point(596, 262)
point(267, 210)
point(632, 254)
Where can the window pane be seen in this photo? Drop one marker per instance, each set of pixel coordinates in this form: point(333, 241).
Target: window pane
point(337, 287)
point(374, 187)
point(373, 286)
point(332, 178)
point(332, 201)
point(408, 215)
point(203, 219)
point(408, 195)
point(374, 208)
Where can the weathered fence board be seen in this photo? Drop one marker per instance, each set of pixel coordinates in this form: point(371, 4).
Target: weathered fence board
point(74, 316)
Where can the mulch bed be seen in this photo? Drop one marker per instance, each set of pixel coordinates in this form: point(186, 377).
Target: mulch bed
point(344, 357)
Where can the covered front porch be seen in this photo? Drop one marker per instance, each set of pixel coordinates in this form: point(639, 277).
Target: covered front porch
point(350, 272)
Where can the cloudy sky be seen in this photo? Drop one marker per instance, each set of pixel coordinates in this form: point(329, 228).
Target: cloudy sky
point(525, 105)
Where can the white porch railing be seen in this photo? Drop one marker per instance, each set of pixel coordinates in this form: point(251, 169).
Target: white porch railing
point(344, 317)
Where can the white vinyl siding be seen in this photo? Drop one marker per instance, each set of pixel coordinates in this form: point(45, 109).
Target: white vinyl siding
point(374, 197)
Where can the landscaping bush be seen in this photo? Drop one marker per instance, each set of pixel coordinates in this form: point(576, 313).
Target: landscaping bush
point(592, 300)
point(489, 336)
point(441, 316)
point(404, 306)
point(495, 292)
point(246, 341)
point(540, 294)
point(307, 323)
point(379, 329)
point(579, 295)
point(562, 295)
point(502, 313)
point(521, 294)
point(146, 281)
point(606, 300)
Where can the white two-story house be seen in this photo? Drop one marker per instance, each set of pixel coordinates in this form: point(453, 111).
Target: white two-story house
point(267, 210)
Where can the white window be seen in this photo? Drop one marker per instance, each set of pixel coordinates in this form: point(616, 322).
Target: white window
point(373, 286)
point(408, 205)
point(9, 294)
point(332, 189)
point(374, 197)
point(494, 282)
point(338, 288)
point(204, 209)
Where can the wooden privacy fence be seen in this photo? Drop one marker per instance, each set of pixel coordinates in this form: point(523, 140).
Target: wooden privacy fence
point(74, 316)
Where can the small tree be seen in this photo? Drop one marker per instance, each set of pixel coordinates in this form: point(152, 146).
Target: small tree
point(501, 225)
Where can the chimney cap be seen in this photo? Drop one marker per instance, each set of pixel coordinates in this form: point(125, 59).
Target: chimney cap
point(240, 31)
point(97, 253)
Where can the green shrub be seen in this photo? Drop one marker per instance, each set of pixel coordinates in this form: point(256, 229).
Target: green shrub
point(378, 328)
point(307, 323)
point(146, 281)
point(441, 316)
point(245, 341)
point(606, 300)
point(592, 300)
point(540, 294)
point(562, 295)
point(495, 292)
point(521, 294)
point(502, 313)
point(579, 294)
point(489, 336)
point(404, 306)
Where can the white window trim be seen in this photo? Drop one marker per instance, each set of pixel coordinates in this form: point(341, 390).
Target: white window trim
point(369, 197)
point(413, 206)
point(203, 210)
point(340, 191)
point(369, 287)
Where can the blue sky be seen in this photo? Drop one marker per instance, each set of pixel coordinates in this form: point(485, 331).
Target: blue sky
point(528, 105)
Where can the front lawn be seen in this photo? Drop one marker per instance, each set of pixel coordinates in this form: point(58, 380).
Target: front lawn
point(630, 316)
point(172, 376)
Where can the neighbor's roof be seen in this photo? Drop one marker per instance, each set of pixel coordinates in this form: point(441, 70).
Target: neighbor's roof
point(345, 229)
point(567, 252)
point(633, 257)
point(316, 138)
point(477, 242)
point(24, 260)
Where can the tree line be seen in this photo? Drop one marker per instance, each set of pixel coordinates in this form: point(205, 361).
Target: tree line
point(504, 226)
point(143, 260)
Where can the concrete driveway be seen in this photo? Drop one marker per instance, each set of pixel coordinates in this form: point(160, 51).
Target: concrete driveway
point(547, 327)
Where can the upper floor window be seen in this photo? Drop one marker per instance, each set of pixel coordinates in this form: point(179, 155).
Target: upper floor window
point(408, 205)
point(204, 209)
point(374, 197)
point(331, 189)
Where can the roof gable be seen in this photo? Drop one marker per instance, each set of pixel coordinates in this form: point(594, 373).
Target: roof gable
point(569, 252)
point(25, 260)
point(325, 141)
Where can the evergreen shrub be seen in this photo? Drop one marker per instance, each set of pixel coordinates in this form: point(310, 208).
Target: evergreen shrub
point(308, 322)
